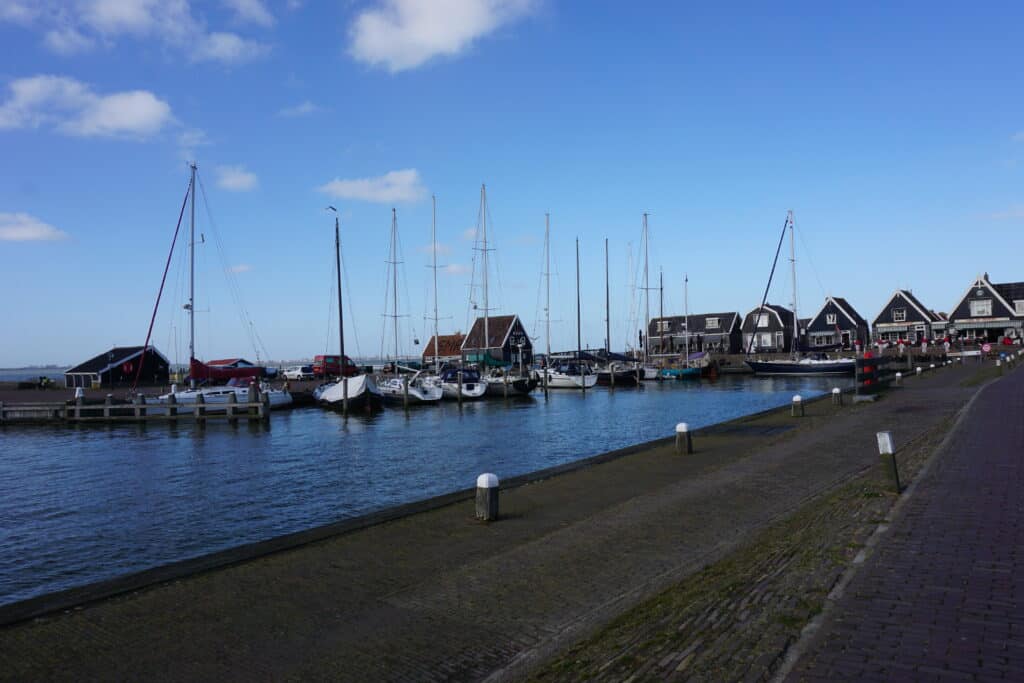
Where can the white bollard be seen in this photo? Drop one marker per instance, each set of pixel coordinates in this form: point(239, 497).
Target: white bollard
point(887, 449)
point(932, 366)
point(684, 441)
point(487, 497)
point(919, 369)
point(797, 409)
point(837, 396)
point(899, 378)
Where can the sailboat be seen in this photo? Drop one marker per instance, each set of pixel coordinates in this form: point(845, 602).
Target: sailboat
point(795, 365)
point(647, 370)
point(687, 370)
point(617, 370)
point(215, 398)
point(497, 381)
point(418, 389)
point(359, 392)
point(573, 374)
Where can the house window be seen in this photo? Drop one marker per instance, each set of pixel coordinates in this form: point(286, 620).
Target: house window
point(664, 325)
point(899, 315)
point(1019, 306)
point(981, 308)
point(830, 318)
point(712, 323)
point(762, 320)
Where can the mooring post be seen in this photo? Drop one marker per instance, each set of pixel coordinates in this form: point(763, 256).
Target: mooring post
point(487, 497)
point(797, 407)
point(265, 407)
point(887, 449)
point(1, 412)
point(919, 370)
point(254, 400)
point(79, 400)
point(140, 412)
point(405, 393)
point(199, 410)
point(999, 364)
point(684, 441)
point(172, 406)
point(107, 402)
point(459, 376)
point(837, 396)
point(232, 401)
point(898, 378)
point(611, 376)
point(505, 383)
point(932, 366)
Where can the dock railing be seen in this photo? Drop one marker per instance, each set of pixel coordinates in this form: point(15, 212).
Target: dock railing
point(138, 410)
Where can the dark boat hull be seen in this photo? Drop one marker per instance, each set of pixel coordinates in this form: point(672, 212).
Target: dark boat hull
point(623, 378)
point(767, 367)
point(518, 386)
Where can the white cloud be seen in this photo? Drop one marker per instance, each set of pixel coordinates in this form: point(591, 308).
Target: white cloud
point(240, 268)
point(301, 109)
point(469, 234)
point(67, 41)
point(404, 34)
point(72, 27)
point(71, 107)
point(457, 269)
point(236, 178)
point(21, 227)
point(228, 48)
point(252, 11)
point(440, 248)
point(394, 186)
point(189, 140)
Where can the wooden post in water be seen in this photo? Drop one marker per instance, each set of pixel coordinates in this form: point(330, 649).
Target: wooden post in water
point(172, 406)
point(199, 410)
point(254, 398)
point(264, 411)
point(232, 400)
point(106, 407)
point(140, 411)
point(459, 377)
point(506, 385)
point(405, 392)
point(1, 412)
point(78, 407)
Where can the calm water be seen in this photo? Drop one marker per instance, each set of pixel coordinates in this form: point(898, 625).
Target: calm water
point(81, 504)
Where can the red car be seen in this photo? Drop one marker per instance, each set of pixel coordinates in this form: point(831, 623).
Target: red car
point(327, 366)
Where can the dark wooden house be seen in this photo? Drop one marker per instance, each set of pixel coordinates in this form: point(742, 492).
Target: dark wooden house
point(837, 325)
point(119, 367)
point(507, 342)
point(989, 312)
point(449, 348)
point(719, 332)
point(906, 319)
point(768, 329)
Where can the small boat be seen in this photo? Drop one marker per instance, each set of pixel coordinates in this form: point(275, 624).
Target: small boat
point(464, 380)
point(685, 372)
point(423, 389)
point(503, 382)
point(362, 394)
point(216, 399)
point(570, 376)
point(625, 376)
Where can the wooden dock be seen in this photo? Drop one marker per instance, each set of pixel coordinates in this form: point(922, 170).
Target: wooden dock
point(137, 411)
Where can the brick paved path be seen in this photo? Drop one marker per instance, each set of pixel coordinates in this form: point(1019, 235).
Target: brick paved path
point(439, 596)
point(943, 597)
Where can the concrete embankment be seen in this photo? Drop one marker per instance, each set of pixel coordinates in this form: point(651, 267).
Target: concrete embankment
point(440, 595)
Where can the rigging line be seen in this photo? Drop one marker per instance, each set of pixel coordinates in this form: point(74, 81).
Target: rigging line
point(233, 287)
point(349, 308)
point(764, 299)
point(330, 309)
point(160, 292)
point(810, 260)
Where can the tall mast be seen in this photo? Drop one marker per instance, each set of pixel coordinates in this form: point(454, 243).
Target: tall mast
point(607, 304)
point(433, 248)
point(394, 281)
point(792, 261)
point(647, 295)
point(341, 318)
point(579, 343)
point(686, 314)
point(547, 277)
point(192, 281)
point(483, 210)
point(661, 311)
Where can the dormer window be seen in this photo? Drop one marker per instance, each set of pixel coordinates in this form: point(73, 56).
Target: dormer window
point(830, 318)
point(762, 320)
point(1018, 306)
point(664, 325)
point(712, 323)
point(981, 308)
point(899, 315)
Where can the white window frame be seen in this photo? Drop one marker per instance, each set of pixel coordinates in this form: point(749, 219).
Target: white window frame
point(830, 318)
point(762, 320)
point(714, 324)
point(664, 325)
point(981, 308)
point(899, 315)
point(1018, 306)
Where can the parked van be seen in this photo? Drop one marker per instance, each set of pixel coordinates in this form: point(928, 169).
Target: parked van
point(327, 366)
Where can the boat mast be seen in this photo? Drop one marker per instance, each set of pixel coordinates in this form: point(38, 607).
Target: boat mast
point(483, 211)
point(579, 343)
point(792, 261)
point(547, 277)
point(661, 312)
point(607, 305)
point(647, 295)
point(394, 281)
point(433, 248)
point(686, 314)
point(341, 317)
point(192, 282)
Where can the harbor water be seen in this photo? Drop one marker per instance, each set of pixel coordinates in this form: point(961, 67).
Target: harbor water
point(85, 503)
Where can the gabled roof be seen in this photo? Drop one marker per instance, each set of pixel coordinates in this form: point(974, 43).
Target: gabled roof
point(1011, 291)
point(780, 312)
point(1014, 289)
point(230, 363)
point(108, 359)
point(498, 329)
point(928, 313)
point(448, 345)
point(844, 307)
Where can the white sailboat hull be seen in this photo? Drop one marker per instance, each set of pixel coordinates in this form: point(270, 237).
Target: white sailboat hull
point(362, 392)
point(420, 392)
point(558, 380)
point(470, 390)
point(216, 399)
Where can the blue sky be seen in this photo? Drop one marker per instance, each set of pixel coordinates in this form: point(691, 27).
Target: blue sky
point(896, 134)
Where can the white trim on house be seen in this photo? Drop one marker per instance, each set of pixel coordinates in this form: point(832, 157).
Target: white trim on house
point(908, 297)
point(982, 282)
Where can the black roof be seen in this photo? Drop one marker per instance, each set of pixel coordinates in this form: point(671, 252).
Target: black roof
point(1011, 291)
point(929, 313)
point(850, 310)
point(697, 322)
point(114, 356)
